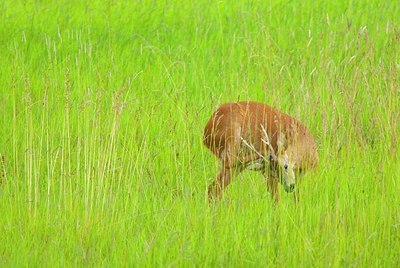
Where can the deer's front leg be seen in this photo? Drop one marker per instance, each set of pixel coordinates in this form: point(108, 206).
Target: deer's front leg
point(273, 186)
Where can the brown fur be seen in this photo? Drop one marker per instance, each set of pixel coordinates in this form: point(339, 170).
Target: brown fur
point(233, 121)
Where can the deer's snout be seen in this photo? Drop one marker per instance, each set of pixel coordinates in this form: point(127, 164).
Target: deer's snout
point(289, 187)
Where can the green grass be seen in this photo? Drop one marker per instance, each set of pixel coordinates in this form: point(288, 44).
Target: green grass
point(103, 105)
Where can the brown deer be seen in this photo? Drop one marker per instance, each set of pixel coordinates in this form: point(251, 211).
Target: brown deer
point(254, 136)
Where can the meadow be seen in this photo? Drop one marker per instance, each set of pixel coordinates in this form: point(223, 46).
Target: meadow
point(103, 105)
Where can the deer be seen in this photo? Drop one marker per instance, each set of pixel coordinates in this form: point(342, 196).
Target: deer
point(254, 136)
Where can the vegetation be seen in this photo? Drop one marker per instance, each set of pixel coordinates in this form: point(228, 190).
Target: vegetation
point(103, 105)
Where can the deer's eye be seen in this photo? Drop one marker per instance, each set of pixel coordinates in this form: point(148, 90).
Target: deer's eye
point(286, 166)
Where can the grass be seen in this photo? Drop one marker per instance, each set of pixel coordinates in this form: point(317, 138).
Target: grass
point(103, 107)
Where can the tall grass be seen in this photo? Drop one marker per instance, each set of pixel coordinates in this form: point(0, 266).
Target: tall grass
point(103, 106)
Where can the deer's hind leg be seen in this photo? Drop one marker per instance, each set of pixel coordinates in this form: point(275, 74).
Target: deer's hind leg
point(231, 166)
point(222, 181)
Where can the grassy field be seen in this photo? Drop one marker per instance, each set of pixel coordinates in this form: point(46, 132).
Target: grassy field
point(103, 105)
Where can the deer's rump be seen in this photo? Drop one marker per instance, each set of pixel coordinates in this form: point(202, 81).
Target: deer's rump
point(232, 123)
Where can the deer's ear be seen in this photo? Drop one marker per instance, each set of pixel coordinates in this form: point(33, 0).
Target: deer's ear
point(282, 143)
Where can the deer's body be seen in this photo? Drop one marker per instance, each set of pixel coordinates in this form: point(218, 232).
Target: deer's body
point(252, 135)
